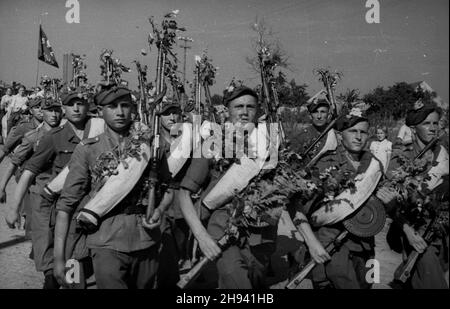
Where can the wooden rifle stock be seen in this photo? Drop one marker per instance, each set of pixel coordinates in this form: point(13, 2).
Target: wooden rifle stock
point(188, 279)
point(403, 272)
point(331, 249)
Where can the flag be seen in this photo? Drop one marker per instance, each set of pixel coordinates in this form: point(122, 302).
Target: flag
point(45, 51)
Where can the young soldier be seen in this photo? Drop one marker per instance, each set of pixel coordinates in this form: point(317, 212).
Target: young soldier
point(319, 111)
point(125, 247)
point(346, 267)
point(16, 134)
point(242, 265)
point(429, 271)
point(53, 153)
point(52, 112)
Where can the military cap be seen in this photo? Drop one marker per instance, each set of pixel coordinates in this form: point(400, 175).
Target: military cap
point(47, 103)
point(233, 93)
point(33, 102)
point(70, 94)
point(420, 112)
point(109, 94)
point(168, 104)
point(350, 119)
point(317, 101)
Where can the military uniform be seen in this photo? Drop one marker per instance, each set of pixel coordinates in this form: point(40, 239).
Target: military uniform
point(124, 253)
point(23, 152)
point(243, 265)
point(303, 139)
point(432, 264)
point(17, 133)
point(51, 156)
point(346, 269)
point(174, 232)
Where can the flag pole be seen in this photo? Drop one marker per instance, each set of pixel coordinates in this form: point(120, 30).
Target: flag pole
point(37, 69)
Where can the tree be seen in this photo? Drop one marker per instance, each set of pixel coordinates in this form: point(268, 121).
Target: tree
point(349, 97)
point(216, 100)
point(395, 101)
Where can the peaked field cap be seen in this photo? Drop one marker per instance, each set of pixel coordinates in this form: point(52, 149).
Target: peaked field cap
point(107, 96)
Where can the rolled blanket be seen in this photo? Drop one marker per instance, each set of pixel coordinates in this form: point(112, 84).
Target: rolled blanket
point(347, 202)
point(180, 150)
point(439, 170)
point(330, 144)
point(115, 188)
point(97, 127)
point(238, 176)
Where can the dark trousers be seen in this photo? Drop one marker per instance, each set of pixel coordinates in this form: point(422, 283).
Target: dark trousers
point(345, 270)
point(429, 270)
point(168, 274)
point(120, 270)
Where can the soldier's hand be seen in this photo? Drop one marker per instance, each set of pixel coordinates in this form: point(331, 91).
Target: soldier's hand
point(209, 247)
point(387, 195)
point(13, 218)
point(414, 239)
point(155, 220)
point(2, 196)
point(59, 272)
point(318, 252)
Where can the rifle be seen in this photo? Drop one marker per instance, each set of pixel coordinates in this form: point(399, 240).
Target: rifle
point(188, 278)
point(207, 74)
point(142, 78)
point(403, 272)
point(331, 249)
point(165, 38)
point(266, 70)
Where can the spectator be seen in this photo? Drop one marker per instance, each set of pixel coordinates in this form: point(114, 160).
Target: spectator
point(381, 146)
point(404, 136)
point(4, 104)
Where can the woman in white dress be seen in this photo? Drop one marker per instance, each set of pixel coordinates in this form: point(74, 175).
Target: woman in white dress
point(382, 146)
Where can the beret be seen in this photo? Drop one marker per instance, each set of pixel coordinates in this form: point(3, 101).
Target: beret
point(33, 102)
point(233, 93)
point(168, 105)
point(47, 103)
point(69, 95)
point(419, 113)
point(108, 95)
point(350, 119)
point(314, 105)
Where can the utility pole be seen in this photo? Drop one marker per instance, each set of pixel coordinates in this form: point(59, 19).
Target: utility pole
point(185, 47)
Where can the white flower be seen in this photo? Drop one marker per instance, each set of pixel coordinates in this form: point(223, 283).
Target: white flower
point(355, 112)
point(230, 89)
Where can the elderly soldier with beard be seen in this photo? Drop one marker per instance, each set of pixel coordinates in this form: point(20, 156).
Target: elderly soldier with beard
point(245, 263)
point(405, 232)
point(124, 246)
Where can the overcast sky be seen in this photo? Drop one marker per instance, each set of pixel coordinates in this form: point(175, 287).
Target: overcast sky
point(409, 44)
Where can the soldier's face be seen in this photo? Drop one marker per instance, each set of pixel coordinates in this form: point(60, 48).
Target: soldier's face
point(37, 113)
point(170, 117)
point(117, 115)
point(21, 91)
point(242, 109)
point(427, 129)
point(76, 111)
point(354, 139)
point(320, 116)
point(8, 91)
point(52, 116)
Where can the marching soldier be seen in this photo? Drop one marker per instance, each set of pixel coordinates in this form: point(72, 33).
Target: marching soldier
point(319, 111)
point(404, 235)
point(52, 112)
point(125, 246)
point(345, 269)
point(52, 155)
point(242, 265)
point(16, 134)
